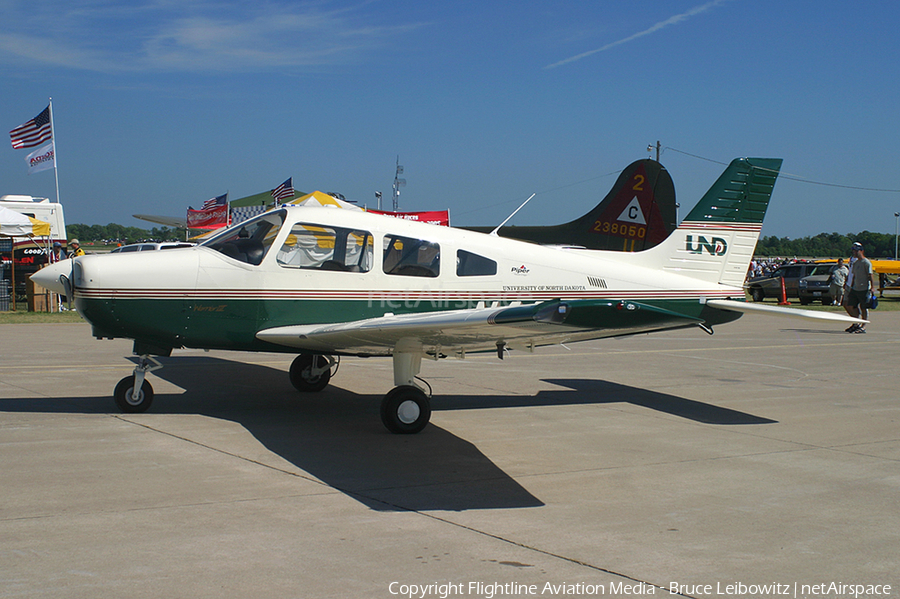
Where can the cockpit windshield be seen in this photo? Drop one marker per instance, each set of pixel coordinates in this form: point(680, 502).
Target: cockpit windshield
point(249, 241)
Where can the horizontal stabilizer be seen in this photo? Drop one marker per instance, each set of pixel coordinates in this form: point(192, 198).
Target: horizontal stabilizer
point(746, 307)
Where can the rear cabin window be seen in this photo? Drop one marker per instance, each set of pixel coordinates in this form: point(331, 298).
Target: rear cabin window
point(473, 265)
point(410, 257)
point(321, 247)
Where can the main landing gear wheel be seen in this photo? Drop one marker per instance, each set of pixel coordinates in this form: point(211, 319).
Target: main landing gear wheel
point(131, 402)
point(310, 373)
point(405, 410)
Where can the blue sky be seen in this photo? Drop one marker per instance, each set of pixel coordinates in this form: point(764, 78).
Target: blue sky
point(161, 104)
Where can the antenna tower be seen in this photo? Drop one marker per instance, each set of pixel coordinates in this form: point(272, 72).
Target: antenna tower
point(398, 183)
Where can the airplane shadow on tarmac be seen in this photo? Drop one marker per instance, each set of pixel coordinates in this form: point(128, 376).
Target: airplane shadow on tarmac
point(337, 435)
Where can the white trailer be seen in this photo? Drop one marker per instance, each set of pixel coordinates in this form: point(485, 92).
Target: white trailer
point(28, 255)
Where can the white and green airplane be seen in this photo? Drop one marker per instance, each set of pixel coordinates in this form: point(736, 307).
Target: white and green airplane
point(326, 282)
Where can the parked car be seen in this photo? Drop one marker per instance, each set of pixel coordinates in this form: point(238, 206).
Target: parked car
point(144, 247)
point(770, 286)
point(816, 287)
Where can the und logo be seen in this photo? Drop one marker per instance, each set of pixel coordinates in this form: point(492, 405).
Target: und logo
point(716, 247)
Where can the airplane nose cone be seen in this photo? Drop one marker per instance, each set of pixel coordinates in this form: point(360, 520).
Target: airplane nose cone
point(55, 277)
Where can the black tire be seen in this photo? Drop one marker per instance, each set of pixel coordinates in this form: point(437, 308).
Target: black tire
point(131, 405)
point(300, 375)
point(757, 294)
point(405, 410)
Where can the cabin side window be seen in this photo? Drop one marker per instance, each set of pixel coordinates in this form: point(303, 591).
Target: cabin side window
point(410, 257)
point(473, 265)
point(321, 247)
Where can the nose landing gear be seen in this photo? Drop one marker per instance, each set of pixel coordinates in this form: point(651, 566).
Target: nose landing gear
point(134, 393)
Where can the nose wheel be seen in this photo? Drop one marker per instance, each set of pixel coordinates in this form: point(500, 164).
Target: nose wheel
point(132, 402)
point(134, 393)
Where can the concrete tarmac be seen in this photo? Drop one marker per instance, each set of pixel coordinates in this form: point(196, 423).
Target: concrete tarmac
point(766, 454)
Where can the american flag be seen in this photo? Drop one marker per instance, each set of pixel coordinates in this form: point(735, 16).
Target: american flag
point(285, 191)
point(213, 202)
point(34, 132)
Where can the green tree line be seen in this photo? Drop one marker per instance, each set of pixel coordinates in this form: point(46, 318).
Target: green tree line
point(827, 245)
point(119, 233)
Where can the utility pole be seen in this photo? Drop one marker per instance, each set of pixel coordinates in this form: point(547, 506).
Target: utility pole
point(398, 183)
point(896, 232)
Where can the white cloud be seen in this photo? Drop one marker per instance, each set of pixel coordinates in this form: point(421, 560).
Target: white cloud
point(192, 36)
point(674, 20)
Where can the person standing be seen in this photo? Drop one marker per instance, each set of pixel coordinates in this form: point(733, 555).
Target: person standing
point(838, 279)
point(861, 285)
point(76, 249)
point(57, 254)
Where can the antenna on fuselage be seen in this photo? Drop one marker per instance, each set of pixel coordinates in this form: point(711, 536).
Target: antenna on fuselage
point(494, 232)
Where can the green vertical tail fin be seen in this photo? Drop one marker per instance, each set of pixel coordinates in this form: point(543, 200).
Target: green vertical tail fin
point(740, 195)
point(716, 241)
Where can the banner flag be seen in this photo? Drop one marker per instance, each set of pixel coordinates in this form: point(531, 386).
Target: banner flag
point(42, 159)
point(213, 218)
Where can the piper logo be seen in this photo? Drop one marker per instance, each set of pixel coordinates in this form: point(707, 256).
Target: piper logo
point(521, 270)
point(716, 247)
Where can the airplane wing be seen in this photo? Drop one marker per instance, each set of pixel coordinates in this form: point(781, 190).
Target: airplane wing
point(747, 307)
point(481, 329)
point(169, 221)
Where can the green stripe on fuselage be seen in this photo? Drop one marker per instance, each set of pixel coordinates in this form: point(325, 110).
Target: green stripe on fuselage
point(232, 324)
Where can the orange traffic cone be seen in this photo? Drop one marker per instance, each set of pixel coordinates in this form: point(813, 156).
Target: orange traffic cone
point(784, 301)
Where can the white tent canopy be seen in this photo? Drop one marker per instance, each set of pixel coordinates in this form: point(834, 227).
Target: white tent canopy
point(14, 224)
